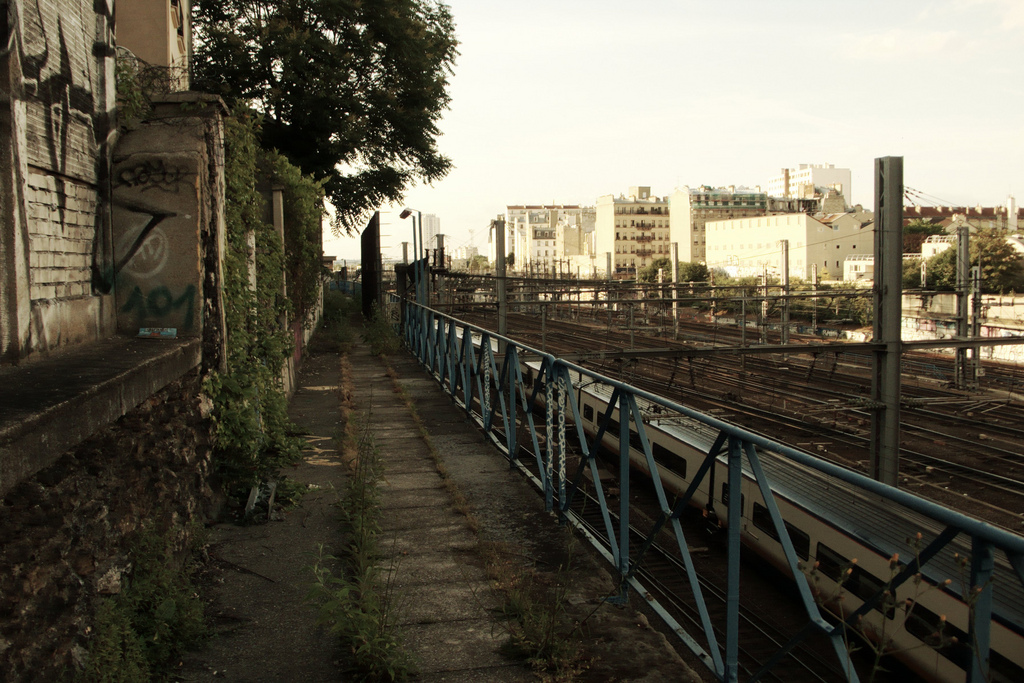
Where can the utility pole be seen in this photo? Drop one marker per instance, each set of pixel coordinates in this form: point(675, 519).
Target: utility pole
point(814, 299)
point(674, 249)
point(963, 296)
point(499, 267)
point(785, 291)
point(888, 290)
point(764, 306)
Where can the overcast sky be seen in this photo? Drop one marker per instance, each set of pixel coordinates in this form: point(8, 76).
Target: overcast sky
point(561, 101)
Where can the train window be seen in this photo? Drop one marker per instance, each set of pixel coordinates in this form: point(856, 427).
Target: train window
point(613, 426)
point(634, 440)
point(667, 459)
point(951, 642)
point(725, 496)
point(588, 413)
point(801, 541)
point(831, 564)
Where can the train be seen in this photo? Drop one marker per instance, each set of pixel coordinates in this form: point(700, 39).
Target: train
point(850, 542)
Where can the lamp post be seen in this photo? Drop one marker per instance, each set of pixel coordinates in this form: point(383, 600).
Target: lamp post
point(417, 247)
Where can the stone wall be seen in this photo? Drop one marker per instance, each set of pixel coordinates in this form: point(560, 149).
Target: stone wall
point(63, 532)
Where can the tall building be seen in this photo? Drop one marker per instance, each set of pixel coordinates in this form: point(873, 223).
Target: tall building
point(692, 208)
point(431, 229)
point(634, 228)
point(809, 180)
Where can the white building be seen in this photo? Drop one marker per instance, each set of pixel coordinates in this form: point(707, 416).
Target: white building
point(808, 180)
point(431, 229)
point(465, 253)
point(746, 246)
point(692, 208)
point(534, 233)
point(633, 228)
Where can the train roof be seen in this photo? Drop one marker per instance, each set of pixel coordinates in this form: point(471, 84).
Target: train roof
point(882, 525)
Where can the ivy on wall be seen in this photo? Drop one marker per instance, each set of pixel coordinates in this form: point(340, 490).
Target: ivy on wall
point(251, 426)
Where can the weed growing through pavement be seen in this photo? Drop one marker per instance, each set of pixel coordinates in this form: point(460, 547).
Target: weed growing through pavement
point(379, 332)
point(336, 327)
point(360, 606)
point(538, 626)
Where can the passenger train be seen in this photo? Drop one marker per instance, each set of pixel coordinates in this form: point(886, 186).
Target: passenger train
point(850, 542)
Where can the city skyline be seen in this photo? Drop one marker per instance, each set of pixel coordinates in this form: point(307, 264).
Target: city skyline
point(563, 102)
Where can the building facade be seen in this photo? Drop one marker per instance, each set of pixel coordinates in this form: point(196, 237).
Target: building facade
point(693, 208)
point(818, 245)
point(431, 229)
point(633, 228)
point(1008, 217)
point(159, 34)
point(533, 233)
point(808, 180)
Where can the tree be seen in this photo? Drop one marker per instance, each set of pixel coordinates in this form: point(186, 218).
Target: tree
point(478, 264)
point(693, 271)
point(1002, 267)
point(916, 232)
point(650, 273)
point(350, 92)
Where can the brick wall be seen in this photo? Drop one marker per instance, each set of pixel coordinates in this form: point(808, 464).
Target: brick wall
point(54, 220)
point(62, 230)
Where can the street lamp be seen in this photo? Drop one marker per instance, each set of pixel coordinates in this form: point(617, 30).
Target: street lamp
point(420, 268)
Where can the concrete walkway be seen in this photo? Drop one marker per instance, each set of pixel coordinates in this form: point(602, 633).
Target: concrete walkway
point(265, 629)
point(447, 607)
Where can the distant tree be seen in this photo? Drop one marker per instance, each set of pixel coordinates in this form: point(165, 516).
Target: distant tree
point(693, 271)
point(510, 259)
point(478, 264)
point(912, 274)
point(650, 273)
point(350, 92)
point(1002, 267)
point(916, 232)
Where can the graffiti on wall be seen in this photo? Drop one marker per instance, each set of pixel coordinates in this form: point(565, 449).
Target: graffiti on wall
point(159, 305)
point(63, 59)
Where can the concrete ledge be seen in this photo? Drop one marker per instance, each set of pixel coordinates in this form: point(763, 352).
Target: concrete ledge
point(50, 405)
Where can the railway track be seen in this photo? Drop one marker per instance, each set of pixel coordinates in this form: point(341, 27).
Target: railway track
point(821, 406)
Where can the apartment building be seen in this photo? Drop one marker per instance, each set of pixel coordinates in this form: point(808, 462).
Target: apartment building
point(746, 246)
point(809, 180)
point(533, 233)
point(634, 228)
point(693, 208)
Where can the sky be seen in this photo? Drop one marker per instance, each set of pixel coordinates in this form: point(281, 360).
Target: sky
point(562, 101)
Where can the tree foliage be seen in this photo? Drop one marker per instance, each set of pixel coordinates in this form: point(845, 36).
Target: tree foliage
point(916, 232)
point(351, 92)
point(1002, 267)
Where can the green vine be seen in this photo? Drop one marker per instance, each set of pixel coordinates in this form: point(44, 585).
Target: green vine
point(251, 426)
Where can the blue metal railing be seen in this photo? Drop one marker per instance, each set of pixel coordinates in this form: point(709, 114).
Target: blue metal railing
point(475, 365)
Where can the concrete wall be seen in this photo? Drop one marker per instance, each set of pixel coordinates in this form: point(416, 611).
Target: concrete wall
point(56, 131)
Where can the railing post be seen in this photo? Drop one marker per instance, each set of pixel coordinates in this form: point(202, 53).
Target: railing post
point(979, 601)
point(732, 617)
